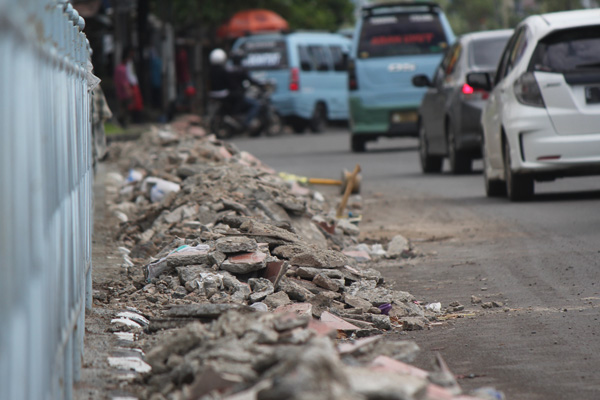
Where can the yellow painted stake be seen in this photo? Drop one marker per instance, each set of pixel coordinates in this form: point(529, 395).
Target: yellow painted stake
point(349, 187)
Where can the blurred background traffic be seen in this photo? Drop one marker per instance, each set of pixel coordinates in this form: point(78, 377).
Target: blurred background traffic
point(171, 40)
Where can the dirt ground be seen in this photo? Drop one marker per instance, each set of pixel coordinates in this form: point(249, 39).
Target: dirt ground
point(537, 346)
point(98, 379)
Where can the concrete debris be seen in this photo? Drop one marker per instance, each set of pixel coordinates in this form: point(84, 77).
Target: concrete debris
point(398, 247)
point(246, 286)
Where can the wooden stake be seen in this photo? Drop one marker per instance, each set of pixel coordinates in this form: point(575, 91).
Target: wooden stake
point(349, 187)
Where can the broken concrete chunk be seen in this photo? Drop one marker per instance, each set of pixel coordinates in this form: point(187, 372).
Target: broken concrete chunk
point(190, 273)
point(188, 256)
point(357, 302)
point(268, 232)
point(320, 259)
point(413, 323)
point(348, 227)
point(289, 321)
point(398, 246)
point(236, 244)
point(176, 342)
point(276, 300)
point(386, 385)
point(288, 251)
point(245, 263)
point(297, 308)
point(294, 290)
point(325, 282)
point(378, 295)
point(155, 269)
point(358, 255)
point(336, 322)
point(205, 310)
point(310, 273)
point(217, 257)
point(261, 288)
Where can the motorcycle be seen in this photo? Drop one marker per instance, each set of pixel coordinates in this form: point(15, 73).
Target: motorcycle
point(225, 122)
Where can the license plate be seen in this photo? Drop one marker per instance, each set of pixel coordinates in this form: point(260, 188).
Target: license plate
point(592, 94)
point(398, 117)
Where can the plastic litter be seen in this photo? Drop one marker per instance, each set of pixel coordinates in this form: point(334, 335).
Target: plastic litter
point(385, 308)
point(159, 188)
point(488, 393)
point(435, 307)
point(377, 250)
point(134, 176)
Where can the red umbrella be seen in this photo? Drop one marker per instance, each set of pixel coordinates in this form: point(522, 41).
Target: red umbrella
point(252, 21)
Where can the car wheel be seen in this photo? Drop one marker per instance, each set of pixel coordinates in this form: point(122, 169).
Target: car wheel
point(357, 143)
point(298, 124)
point(493, 187)
point(275, 124)
point(518, 187)
point(460, 163)
point(429, 163)
point(220, 128)
point(319, 119)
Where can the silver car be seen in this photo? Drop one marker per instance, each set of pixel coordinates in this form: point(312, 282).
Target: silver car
point(450, 112)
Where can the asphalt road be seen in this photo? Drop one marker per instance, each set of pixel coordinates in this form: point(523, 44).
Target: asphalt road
point(540, 259)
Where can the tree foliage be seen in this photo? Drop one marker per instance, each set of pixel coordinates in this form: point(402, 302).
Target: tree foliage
point(300, 14)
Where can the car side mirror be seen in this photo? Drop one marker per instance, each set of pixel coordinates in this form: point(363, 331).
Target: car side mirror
point(421, 81)
point(480, 80)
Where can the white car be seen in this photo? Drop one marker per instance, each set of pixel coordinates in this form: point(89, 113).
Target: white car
point(542, 119)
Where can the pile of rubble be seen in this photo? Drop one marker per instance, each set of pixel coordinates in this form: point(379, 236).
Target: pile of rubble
point(244, 286)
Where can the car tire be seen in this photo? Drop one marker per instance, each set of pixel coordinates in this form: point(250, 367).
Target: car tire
point(298, 124)
point(358, 143)
point(274, 125)
point(493, 187)
point(518, 187)
point(460, 163)
point(429, 163)
point(220, 128)
point(318, 122)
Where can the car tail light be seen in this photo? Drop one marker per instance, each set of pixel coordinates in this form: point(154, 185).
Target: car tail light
point(473, 94)
point(527, 91)
point(294, 80)
point(352, 81)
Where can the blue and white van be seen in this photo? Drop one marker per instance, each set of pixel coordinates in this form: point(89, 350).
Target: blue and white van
point(392, 43)
point(309, 69)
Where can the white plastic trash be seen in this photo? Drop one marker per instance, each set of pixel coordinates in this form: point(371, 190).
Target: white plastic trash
point(159, 188)
point(435, 307)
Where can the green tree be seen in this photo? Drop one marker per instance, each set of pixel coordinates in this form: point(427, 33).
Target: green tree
point(300, 14)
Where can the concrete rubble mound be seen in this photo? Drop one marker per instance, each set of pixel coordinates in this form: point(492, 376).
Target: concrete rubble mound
point(247, 286)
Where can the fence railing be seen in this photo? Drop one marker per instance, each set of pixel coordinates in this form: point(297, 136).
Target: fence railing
point(45, 198)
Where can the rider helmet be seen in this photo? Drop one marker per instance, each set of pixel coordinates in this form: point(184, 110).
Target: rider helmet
point(218, 57)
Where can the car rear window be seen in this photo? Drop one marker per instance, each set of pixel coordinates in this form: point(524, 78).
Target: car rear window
point(485, 53)
point(570, 50)
point(265, 54)
point(401, 34)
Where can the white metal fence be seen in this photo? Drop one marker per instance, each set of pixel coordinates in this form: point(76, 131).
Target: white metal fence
point(45, 198)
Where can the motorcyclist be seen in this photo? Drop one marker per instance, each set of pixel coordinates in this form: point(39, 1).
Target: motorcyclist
point(219, 81)
point(228, 82)
point(238, 76)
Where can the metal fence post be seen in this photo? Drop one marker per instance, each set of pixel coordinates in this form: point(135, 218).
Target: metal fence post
point(45, 198)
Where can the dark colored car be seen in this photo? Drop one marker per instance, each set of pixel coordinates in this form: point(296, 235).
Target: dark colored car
point(450, 113)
